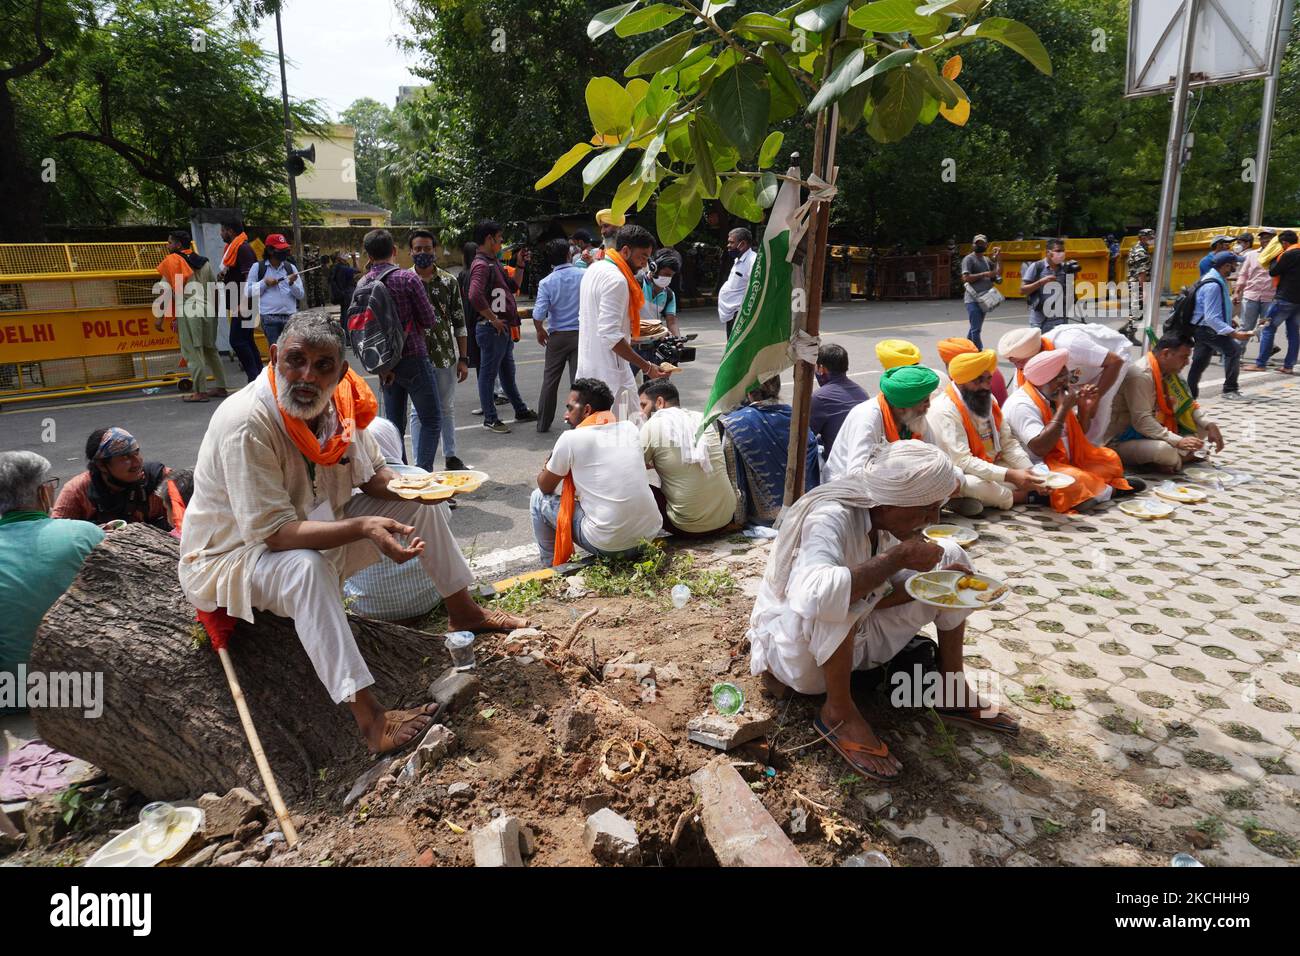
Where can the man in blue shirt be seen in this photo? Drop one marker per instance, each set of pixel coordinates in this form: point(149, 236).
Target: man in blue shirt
point(555, 317)
point(1217, 245)
point(39, 555)
point(1212, 327)
point(275, 286)
point(836, 396)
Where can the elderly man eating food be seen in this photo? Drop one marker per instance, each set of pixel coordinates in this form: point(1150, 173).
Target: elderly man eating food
point(968, 424)
point(897, 413)
point(833, 599)
point(1042, 417)
point(274, 525)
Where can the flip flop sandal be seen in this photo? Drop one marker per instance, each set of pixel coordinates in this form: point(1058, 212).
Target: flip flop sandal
point(846, 749)
point(496, 621)
point(195, 399)
point(969, 716)
point(394, 721)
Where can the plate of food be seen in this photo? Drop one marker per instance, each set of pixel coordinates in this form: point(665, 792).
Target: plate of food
point(426, 487)
point(1173, 491)
point(668, 367)
point(939, 533)
point(957, 589)
point(1055, 480)
point(1146, 509)
point(462, 481)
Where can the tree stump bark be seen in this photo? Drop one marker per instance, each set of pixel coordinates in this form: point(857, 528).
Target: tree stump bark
point(169, 727)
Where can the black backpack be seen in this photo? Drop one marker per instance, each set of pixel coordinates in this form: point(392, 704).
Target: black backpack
point(1179, 321)
point(373, 326)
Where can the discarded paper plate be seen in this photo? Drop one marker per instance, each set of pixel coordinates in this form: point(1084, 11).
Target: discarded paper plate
point(420, 487)
point(1173, 491)
point(939, 533)
point(948, 589)
point(125, 849)
point(1146, 508)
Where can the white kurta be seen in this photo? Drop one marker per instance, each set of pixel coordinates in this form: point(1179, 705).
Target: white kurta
point(863, 430)
point(793, 638)
point(983, 480)
point(1089, 344)
point(603, 322)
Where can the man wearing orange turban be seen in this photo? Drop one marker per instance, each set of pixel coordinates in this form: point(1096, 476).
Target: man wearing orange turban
point(966, 422)
point(1042, 417)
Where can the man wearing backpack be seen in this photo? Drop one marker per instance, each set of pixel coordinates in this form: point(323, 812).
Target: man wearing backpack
point(412, 376)
point(1212, 328)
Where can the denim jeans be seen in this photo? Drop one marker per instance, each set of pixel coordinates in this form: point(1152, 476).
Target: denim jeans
point(1209, 342)
point(446, 381)
point(496, 359)
point(413, 378)
point(245, 349)
point(1281, 312)
point(1252, 310)
point(272, 326)
point(976, 316)
point(545, 512)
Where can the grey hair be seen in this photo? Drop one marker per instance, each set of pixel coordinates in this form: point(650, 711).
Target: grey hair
point(21, 475)
point(315, 327)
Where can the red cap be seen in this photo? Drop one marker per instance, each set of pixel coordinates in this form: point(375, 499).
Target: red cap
point(276, 240)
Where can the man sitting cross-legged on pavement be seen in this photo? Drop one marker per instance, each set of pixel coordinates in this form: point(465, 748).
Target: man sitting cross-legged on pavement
point(896, 413)
point(1041, 415)
point(274, 526)
point(593, 490)
point(696, 496)
point(1155, 420)
point(833, 598)
point(968, 424)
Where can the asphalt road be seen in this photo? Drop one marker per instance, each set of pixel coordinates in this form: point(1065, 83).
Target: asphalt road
point(494, 521)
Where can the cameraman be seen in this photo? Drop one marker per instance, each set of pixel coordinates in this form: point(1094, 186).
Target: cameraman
point(1045, 288)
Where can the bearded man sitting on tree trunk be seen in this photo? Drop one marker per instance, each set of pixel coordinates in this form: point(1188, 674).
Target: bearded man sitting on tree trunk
point(274, 525)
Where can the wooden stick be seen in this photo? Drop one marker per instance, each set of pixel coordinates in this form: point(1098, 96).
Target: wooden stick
point(255, 742)
point(577, 627)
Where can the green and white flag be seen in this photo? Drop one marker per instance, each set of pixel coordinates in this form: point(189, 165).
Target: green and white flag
point(760, 339)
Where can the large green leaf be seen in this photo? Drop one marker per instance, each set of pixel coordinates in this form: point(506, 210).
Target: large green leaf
point(764, 26)
point(725, 156)
point(738, 198)
point(769, 186)
point(645, 169)
point(898, 105)
point(662, 92)
point(956, 8)
point(651, 18)
point(708, 176)
point(629, 190)
point(678, 142)
point(606, 20)
point(892, 61)
point(822, 17)
point(929, 110)
point(739, 102)
point(564, 164)
point(841, 78)
point(677, 212)
point(1017, 36)
point(609, 105)
point(662, 54)
point(647, 192)
point(892, 16)
point(779, 72)
point(601, 164)
point(771, 148)
point(850, 106)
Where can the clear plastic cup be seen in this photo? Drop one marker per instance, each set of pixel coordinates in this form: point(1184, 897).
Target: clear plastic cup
point(460, 645)
point(681, 594)
point(870, 858)
point(155, 820)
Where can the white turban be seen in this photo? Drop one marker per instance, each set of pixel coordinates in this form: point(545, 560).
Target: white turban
point(904, 474)
point(1020, 343)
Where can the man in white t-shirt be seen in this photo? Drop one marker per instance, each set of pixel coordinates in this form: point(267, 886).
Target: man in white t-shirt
point(593, 490)
point(732, 294)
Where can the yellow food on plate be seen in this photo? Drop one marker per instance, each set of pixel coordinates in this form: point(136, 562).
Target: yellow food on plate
point(939, 534)
point(971, 584)
point(457, 481)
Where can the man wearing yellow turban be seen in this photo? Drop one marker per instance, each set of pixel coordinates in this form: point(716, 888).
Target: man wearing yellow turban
point(894, 353)
point(897, 413)
point(967, 423)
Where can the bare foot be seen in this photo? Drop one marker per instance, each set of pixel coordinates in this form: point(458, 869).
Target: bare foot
point(854, 728)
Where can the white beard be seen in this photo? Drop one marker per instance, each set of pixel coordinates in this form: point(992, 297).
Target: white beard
point(307, 412)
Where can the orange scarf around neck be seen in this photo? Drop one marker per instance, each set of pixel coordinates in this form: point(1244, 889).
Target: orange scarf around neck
point(892, 432)
point(1093, 468)
point(635, 296)
point(972, 435)
point(355, 405)
point(1167, 416)
point(232, 249)
point(569, 498)
point(1020, 373)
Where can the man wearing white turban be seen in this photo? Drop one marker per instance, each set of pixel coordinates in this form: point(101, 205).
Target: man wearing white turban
point(833, 599)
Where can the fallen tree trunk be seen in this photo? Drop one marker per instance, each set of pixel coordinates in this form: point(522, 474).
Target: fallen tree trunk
point(169, 727)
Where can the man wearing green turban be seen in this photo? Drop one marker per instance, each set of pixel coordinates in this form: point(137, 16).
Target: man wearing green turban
point(897, 413)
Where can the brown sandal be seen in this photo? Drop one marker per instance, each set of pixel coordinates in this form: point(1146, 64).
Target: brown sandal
point(194, 399)
point(496, 621)
point(395, 720)
point(999, 722)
